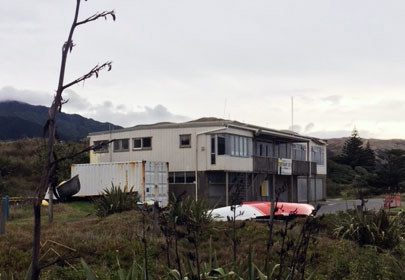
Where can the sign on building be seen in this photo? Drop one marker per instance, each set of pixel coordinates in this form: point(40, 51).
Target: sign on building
point(284, 166)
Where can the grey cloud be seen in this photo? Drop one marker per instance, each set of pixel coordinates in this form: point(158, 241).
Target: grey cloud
point(120, 114)
point(127, 117)
point(23, 95)
point(75, 101)
point(309, 127)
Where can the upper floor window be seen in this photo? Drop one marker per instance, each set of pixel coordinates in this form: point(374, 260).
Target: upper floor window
point(239, 146)
point(185, 141)
point(121, 145)
point(103, 148)
point(318, 155)
point(299, 152)
point(144, 143)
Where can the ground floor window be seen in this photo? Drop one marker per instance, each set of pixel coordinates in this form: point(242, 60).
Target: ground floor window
point(182, 177)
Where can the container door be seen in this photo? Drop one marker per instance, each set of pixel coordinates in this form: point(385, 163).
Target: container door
point(156, 188)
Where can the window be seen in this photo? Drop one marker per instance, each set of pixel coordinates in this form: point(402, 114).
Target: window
point(318, 154)
point(101, 149)
point(221, 145)
point(239, 146)
point(144, 143)
point(283, 150)
point(299, 152)
point(181, 177)
point(121, 145)
point(190, 177)
point(213, 159)
point(138, 143)
point(185, 141)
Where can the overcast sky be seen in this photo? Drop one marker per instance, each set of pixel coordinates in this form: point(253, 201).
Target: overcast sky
point(343, 61)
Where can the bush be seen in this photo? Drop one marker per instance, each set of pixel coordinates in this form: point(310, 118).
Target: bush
point(115, 200)
point(371, 228)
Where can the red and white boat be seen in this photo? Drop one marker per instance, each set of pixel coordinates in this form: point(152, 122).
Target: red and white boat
point(261, 209)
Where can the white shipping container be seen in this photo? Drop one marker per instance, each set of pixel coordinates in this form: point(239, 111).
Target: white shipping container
point(148, 178)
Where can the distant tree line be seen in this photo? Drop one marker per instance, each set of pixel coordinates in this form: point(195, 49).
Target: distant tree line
point(359, 167)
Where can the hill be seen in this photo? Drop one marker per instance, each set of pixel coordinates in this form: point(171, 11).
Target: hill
point(21, 120)
point(335, 145)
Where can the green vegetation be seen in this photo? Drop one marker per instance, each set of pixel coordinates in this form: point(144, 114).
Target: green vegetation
point(112, 247)
point(359, 171)
point(21, 162)
point(116, 200)
point(371, 228)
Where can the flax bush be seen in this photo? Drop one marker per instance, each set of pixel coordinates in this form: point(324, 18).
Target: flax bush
point(371, 228)
point(115, 200)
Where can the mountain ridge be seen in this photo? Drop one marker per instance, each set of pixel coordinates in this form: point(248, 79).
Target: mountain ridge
point(23, 120)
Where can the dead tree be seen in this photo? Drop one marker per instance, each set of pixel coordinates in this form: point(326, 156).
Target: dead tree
point(49, 128)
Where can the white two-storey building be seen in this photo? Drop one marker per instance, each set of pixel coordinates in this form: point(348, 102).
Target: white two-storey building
point(224, 161)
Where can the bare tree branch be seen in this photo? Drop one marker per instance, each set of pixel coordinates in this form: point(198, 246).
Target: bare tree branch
point(92, 72)
point(98, 15)
point(90, 148)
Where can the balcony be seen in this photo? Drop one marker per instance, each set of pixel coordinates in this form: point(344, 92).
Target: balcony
point(270, 166)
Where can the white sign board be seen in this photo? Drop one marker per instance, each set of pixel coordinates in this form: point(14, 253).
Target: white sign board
point(284, 166)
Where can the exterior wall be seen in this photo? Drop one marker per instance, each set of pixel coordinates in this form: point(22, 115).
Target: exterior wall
point(165, 147)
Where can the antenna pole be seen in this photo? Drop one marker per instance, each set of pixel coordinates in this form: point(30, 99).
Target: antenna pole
point(292, 113)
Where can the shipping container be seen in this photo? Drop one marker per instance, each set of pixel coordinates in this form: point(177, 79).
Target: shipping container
point(148, 178)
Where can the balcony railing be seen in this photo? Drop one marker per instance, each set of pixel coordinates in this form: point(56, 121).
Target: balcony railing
point(270, 166)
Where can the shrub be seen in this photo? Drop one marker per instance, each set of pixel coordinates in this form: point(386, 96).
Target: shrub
point(115, 200)
point(371, 228)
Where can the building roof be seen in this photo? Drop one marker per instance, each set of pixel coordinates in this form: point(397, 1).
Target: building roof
point(210, 122)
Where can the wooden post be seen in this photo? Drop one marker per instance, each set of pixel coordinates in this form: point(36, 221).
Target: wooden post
point(272, 198)
point(227, 188)
point(156, 218)
point(309, 174)
point(50, 207)
point(7, 207)
point(246, 187)
point(292, 199)
point(2, 217)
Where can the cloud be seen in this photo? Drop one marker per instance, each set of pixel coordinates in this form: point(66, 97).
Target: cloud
point(122, 115)
point(333, 99)
point(309, 127)
point(75, 101)
point(23, 95)
point(105, 111)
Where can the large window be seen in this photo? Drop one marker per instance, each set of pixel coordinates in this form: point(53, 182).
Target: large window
point(318, 155)
point(121, 145)
point(273, 149)
point(103, 148)
point(240, 146)
point(181, 177)
point(144, 143)
point(299, 152)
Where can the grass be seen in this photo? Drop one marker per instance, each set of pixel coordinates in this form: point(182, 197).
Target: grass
point(100, 241)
